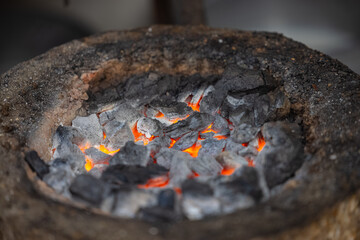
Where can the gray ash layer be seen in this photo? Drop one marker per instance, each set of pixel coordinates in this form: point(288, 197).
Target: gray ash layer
point(153, 130)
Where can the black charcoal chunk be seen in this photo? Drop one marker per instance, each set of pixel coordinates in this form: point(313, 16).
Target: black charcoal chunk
point(212, 147)
point(149, 127)
point(198, 201)
point(199, 121)
point(97, 156)
point(212, 101)
point(130, 201)
point(88, 188)
point(242, 115)
point(124, 174)
point(244, 180)
point(117, 134)
point(206, 135)
point(122, 112)
point(262, 110)
point(131, 154)
point(236, 100)
point(192, 187)
point(60, 176)
point(171, 109)
point(71, 153)
point(90, 127)
point(36, 164)
point(237, 79)
point(220, 125)
point(179, 171)
point(67, 134)
point(205, 165)
point(231, 160)
point(97, 170)
point(244, 133)
point(186, 141)
point(177, 129)
point(166, 156)
point(158, 214)
point(160, 142)
point(239, 150)
point(282, 154)
point(166, 199)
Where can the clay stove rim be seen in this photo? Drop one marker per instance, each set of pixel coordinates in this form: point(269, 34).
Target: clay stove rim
point(81, 77)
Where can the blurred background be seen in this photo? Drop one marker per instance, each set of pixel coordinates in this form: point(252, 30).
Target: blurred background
point(31, 27)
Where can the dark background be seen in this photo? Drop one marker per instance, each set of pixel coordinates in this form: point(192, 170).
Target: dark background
point(31, 27)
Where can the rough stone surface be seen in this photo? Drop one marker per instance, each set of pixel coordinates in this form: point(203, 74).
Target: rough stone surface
point(49, 89)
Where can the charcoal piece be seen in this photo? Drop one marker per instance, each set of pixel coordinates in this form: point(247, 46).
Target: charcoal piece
point(177, 129)
point(167, 156)
point(158, 214)
point(196, 208)
point(239, 150)
point(237, 79)
point(60, 176)
point(205, 165)
point(231, 160)
point(206, 135)
point(242, 115)
point(282, 154)
point(71, 153)
point(171, 109)
point(192, 187)
point(88, 188)
point(211, 147)
point(97, 156)
point(186, 141)
point(244, 180)
point(166, 199)
point(149, 127)
point(212, 101)
point(90, 127)
point(262, 110)
point(199, 121)
point(131, 154)
point(234, 101)
point(220, 125)
point(66, 134)
point(198, 94)
point(98, 169)
point(244, 133)
point(130, 174)
point(122, 112)
point(160, 142)
point(179, 171)
point(36, 164)
point(117, 134)
point(156, 170)
point(130, 201)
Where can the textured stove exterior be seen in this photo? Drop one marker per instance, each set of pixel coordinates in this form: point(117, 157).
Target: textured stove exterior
point(38, 95)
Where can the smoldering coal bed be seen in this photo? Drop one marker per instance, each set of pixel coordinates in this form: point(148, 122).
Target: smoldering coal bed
point(165, 148)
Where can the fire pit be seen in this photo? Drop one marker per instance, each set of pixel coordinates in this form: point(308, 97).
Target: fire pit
point(173, 133)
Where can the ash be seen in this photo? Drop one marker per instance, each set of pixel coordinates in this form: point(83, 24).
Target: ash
point(170, 148)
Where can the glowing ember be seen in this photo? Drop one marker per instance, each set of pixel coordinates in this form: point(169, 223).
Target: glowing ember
point(245, 144)
point(196, 106)
point(227, 171)
point(220, 137)
point(159, 182)
point(160, 115)
point(173, 141)
point(104, 135)
point(208, 129)
point(251, 163)
point(261, 143)
point(107, 151)
point(89, 164)
point(193, 150)
point(138, 136)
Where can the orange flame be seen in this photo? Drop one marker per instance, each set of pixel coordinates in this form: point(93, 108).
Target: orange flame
point(160, 115)
point(227, 171)
point(138, 136)
point(107, 151)
point(159, 182)
point(193, 150)
point(261, 143)
point(89, 164)
point(220, 137)
point(195, 106)
point(104, 135)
